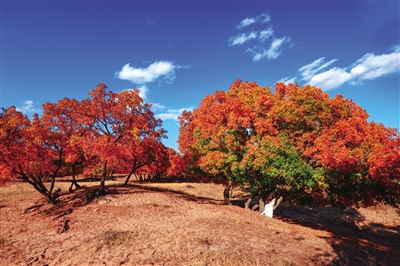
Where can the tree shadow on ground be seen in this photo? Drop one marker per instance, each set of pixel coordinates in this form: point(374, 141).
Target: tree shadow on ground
point(138, 188)
point(354, 242)
point(86, 195)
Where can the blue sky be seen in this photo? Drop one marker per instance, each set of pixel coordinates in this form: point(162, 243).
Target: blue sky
point(178, 52)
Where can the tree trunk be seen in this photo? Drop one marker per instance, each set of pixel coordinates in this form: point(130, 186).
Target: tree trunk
point(227, 191)
point(278, 202)
point(128, 177)
point(261, 205)
point(39, 187)
point(102, 189)
point(246, 205)
point(74, 182)
point(52, 197)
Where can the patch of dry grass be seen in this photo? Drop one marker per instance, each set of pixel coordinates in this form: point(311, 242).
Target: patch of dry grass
point(184, 224)
point(14, 191)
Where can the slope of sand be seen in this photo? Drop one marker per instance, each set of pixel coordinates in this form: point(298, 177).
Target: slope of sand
point(186, 224)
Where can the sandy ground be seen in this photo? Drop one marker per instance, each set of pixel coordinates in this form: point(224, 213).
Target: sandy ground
point(179, 223)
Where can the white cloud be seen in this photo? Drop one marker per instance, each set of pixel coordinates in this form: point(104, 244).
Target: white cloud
point(263, 18)
point(308, 71)
point(156, 107)
point(242, 38)
point(159, 69)
point(265, 34)
point(288, 80)
point(246, 22)
point(27, 107)
point(369, 67)
point(163, 71)
point(271, 53)
point(259, 50)
point(274, 51)
point(173, 114)
point(372, 66)
point(330, 79)
point(143, 92)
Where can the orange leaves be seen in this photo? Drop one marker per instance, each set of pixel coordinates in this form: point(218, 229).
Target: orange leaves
point(297, 135)
point(73, 134)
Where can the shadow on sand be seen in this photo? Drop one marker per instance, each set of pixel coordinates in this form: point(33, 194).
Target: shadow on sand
point(354, 242)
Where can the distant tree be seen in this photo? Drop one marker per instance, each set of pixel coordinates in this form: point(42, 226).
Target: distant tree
point(157, 166)
point(178, 166)
point(139, 155)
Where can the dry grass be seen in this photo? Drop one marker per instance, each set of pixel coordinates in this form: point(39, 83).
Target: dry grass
point(187, 224)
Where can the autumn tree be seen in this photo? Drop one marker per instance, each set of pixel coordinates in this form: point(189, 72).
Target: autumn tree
point(177, 164)
point(157, 164)
point(295, 141)
point(113, 119)
point(29, 151)
point(139, 156)
point(62, 118)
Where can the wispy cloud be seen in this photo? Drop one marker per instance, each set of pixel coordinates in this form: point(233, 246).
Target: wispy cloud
point(263, 18)
point(287, 80)
point(368, 67)
point(156, 107)
point(271, 53)
point(262, 49)
point(261, 36)
point(173, 114)
point(265, 34)
point(242, 38)
point(308, 71)
point(27, 107)
point(150, 22)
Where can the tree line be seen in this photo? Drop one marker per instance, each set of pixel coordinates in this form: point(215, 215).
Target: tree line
point(106, 132)
point(290, 141)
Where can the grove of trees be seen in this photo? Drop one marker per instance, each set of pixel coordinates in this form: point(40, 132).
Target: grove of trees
point(290, 141)
point(105, 132)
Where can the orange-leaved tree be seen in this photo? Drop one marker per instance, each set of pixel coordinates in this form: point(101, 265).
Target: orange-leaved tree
point(295, 141)
point(62, 118)
point(29, 151)
point(113, 119)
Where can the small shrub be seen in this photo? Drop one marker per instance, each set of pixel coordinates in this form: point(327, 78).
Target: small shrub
point(91, 194)
point(112, 237)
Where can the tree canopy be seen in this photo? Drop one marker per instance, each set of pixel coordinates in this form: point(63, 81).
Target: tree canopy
point(293, 141)
point(106, 129)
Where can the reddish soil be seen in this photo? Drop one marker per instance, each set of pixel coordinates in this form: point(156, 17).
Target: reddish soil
point(178, 223)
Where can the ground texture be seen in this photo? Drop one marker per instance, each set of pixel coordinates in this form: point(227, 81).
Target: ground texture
point(186, 223)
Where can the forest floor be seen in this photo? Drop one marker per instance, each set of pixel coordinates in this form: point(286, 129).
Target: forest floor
point(186, 223)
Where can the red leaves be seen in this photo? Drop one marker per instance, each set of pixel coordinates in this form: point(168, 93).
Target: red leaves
point(249, 128)
point(86, 133)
